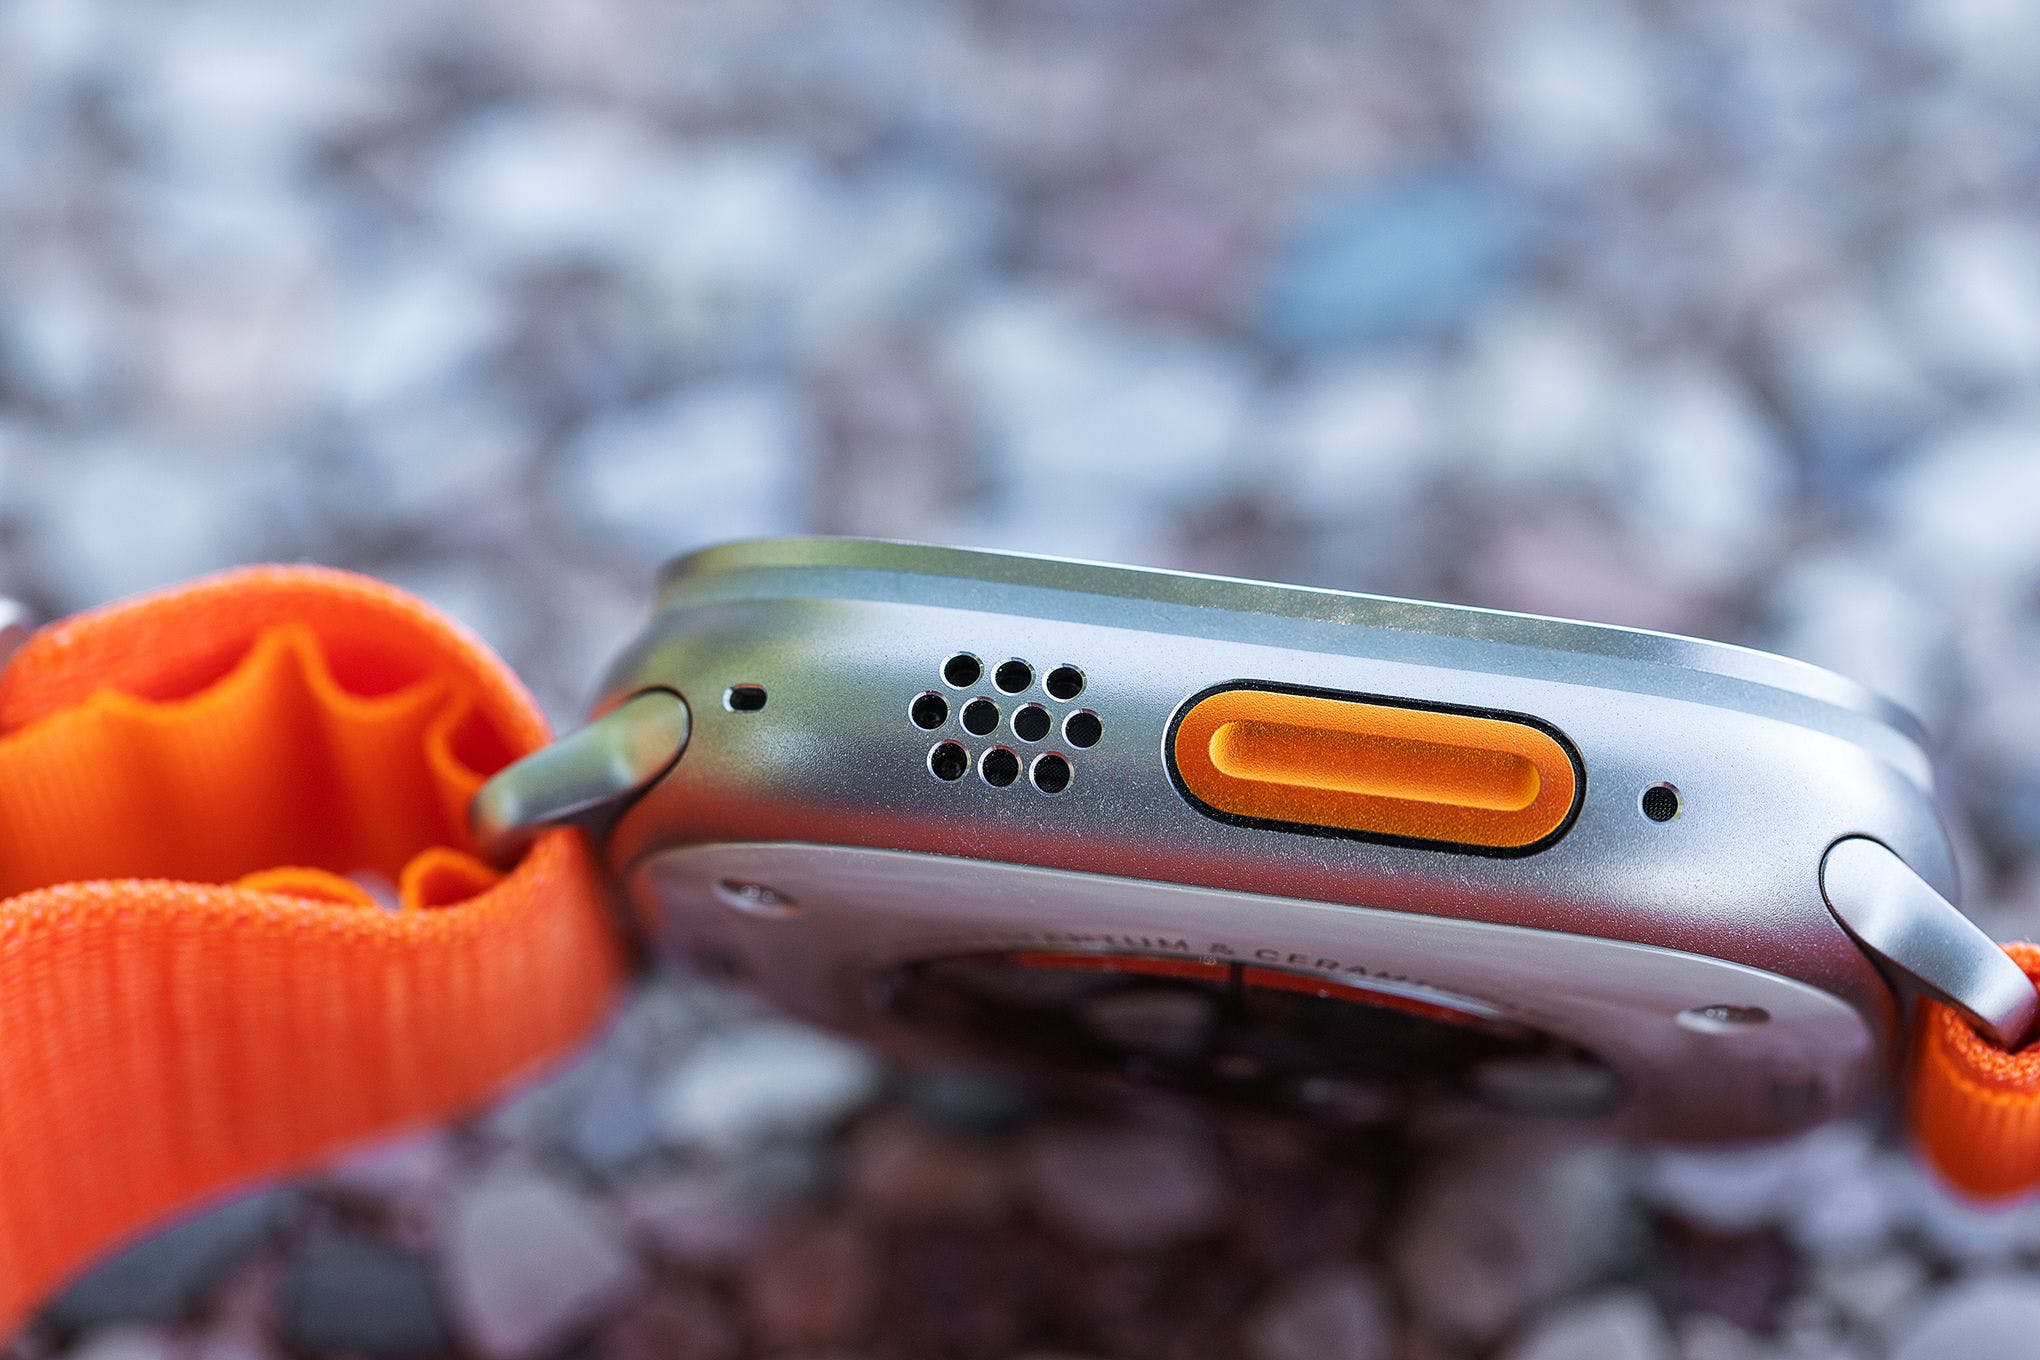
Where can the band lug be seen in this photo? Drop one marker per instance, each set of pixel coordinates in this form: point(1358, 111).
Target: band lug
point(1910, 928)
point(583, 778)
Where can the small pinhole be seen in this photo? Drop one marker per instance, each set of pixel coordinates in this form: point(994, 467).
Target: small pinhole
point(744, 698)
point(999, 767)
point(1031, 722)
point(1082, 728)
point(1660, 802)
point(962, 670)
point(929, 711)
point(1064, 682)
point(1051, 773)
point(980, 717)
point(948, 762)
point(1013, 676)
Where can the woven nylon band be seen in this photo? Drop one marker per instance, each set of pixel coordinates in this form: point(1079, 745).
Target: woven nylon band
point(193, 992)
point(1975, 1107)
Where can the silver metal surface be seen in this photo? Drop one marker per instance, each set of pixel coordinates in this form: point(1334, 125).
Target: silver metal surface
point(582, 776)
point(866, 912)
point(1923, 937)
point(1774, 761)
point(878, 569)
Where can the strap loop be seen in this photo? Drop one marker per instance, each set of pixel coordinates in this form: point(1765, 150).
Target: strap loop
point(194, 992)
point(1976, 1106)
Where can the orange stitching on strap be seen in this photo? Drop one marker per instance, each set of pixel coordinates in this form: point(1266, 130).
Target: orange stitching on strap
point(192, 995)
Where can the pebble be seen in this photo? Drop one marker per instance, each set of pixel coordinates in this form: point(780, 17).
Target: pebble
point(1871, 1292)
point(174, 523)
point(1736, 1189)
point(1053, 379)
point(349, 1295)
point(1409, 256)
point(1968, 288)
point(708, 1216)
point(1711, 477)
point(813, 1284)
point(162, 1277)
point(1990, 1318)
point(1967, 511)
point(771, 1078)
point(901, 1169)
point(1125, 1186)
point(718, 461)
point(1623, 1326)
point(1332, 1313)
point(530, 1262)
point(682, 1321)
point(123, 1343)
point(1958, 1229)
point(1572, 89)
point(611, 1126)
point(1491, 1232)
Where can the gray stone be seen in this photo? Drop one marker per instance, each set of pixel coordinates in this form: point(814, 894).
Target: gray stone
point(124, 1342)
point(1993, 1318)
point(1053, 380)
point(1871, 1292)
point(709, 1216)
point(350, 1295)
point(162, 1277)
point(530, 1262)
point(812, 1285)
point(724, 460)
point(767, 1079)
point(1968, 288)
point(1736, 1189)
point(683, 1321)
point(1623, 1326)
point(901, 1169)
point(1126, 1186)
point(1959, 1229)
point(1493, 1232)
point(1332, 1313)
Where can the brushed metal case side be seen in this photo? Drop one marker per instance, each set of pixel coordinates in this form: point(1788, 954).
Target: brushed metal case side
point(1769, 776)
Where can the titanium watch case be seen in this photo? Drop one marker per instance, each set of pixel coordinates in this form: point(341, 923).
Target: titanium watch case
point(805, 842)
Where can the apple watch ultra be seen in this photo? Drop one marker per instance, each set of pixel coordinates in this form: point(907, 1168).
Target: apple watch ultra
point(1350, 857)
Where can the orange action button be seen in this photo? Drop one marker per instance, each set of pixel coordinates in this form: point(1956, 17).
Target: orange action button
point(1376, 768)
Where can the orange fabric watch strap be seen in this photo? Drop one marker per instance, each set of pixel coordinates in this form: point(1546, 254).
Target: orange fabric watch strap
point(193, 991)
point(1975, 1107)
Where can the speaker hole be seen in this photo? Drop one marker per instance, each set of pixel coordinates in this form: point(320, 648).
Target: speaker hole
point(1031, 723)
point(962, 670)
point(930, 711)
point(1013, 676)
point(999, 767)
point(948, 762)
point(744, 698)
point(980, 717)
point(1064, 682)
point(1661, 802)
point(1051, 773)
point(1082, 728)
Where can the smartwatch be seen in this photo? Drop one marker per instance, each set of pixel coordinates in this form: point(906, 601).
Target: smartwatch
point(288, 860)
point(1341, 854)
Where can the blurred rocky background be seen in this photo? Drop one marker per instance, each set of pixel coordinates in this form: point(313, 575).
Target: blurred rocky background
point(1720, 316)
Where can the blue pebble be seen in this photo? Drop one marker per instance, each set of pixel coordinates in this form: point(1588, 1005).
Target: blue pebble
point(1408, 258)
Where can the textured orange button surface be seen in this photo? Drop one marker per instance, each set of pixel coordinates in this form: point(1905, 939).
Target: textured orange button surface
point(1376, 768)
